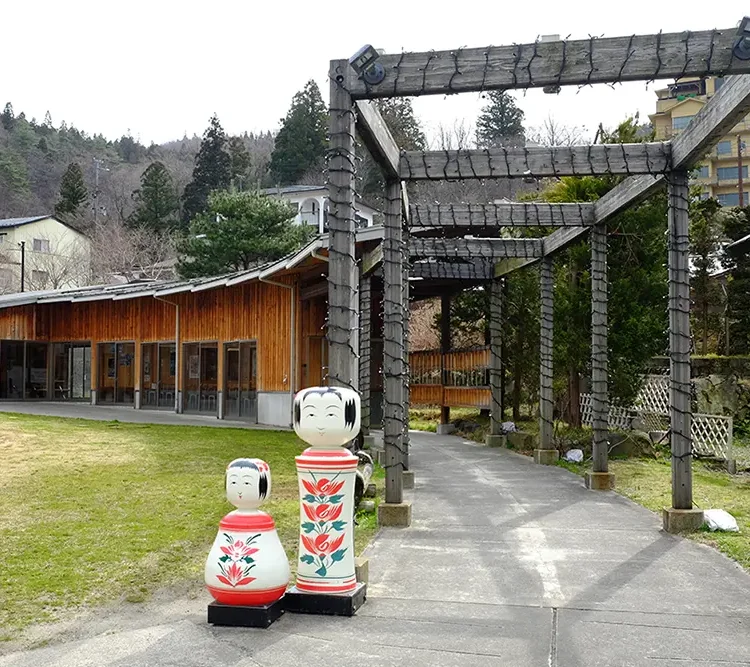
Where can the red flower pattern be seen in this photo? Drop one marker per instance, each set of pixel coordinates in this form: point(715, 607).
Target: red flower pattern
point(323, 487)
point(234, 576)
point(238, 550)
point(324, 512)
point(322, 545)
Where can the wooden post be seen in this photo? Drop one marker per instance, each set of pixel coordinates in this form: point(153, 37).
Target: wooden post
point(496, 336)
point(445, 348)
point(406, 310)
point(679, 342)
point(599, 389)
point(342, 360)
point(365, 346)
point(546, 453)
point(393, 344)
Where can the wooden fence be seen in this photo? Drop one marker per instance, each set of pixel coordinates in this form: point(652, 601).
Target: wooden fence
point(458, 379)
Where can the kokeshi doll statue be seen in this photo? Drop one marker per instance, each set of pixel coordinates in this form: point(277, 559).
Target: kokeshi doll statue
point(247, 565)
point(326, 418)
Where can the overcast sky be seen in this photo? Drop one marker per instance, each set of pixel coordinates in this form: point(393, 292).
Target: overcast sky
point(160, 68)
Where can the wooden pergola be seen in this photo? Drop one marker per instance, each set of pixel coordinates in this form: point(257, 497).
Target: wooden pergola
point(447, 241)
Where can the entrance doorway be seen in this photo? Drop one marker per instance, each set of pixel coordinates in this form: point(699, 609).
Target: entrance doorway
point(116, 381)
point(240, 383)
point(201, 373)
point(72, 371)
point(159, 371)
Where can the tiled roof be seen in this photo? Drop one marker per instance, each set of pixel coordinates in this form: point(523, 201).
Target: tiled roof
point(15, 222)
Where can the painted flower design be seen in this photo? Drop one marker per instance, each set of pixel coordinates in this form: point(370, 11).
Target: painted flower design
point(238, 550)
point(234, 575)
point(322, 545)
point(323, 487)
point(323, 512)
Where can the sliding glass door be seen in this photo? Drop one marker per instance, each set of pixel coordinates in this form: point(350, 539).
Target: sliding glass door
point(158, 373)
point(240, 381)
point(201, 368)
point(71, 378)
point(116, 378)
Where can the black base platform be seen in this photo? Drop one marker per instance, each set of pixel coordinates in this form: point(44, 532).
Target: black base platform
point(245, 617)
point(345, 604)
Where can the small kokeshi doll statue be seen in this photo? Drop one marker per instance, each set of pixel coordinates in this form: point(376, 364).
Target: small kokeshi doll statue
point(326, 418)
point(247, 565)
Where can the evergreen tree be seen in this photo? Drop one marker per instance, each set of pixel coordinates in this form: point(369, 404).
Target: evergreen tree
point(7, 118)
point(240, 161)
point(302, 141)
point(736, 222)
point(48, 120)
point(73, 193)
point(156, 202)
point(240, 230)
point(500, 122)
point(212, 170)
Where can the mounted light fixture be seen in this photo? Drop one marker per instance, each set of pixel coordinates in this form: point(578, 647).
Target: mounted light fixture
point(741, 49)
point(364, 63)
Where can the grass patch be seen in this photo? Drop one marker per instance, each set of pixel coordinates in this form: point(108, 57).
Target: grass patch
point(97, 511)
point(648, 482)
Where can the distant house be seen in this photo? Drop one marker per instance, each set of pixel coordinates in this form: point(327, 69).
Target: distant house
point(311, 202)
point(54, 255)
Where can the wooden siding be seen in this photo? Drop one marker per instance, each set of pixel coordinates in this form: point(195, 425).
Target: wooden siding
point(252, 311)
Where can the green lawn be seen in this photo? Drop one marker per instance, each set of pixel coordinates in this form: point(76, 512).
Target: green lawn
point(92, 512)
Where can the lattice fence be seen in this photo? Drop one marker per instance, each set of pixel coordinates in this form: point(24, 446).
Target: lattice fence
point(654, 395)
point(619, 417)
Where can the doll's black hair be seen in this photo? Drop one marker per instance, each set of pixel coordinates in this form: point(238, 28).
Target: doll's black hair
point(350, 407)
point(262, 478)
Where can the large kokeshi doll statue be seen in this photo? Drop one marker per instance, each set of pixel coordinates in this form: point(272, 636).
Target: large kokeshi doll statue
point(326, 418)
point(247, 565)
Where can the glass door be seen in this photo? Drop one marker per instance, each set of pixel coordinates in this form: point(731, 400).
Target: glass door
point(149, 375)
point(116, 383)
point(167, 374)
point(11, 369)
point(71, 367)
point(248, 381)
point(201, 367)
point(232, 381)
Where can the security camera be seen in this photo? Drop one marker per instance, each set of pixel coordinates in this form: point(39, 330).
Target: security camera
point(364, 63)
point(741, 48)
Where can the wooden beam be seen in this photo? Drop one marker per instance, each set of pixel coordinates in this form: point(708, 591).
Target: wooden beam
point(479, 271)
point(559, 63)
point(630, 191)
point(372, 259)
point(537, 161)
point(507, 266)
point(722, 112)
point(314, 290)
point(483, 216)
point(490, 249)
point(378, 139)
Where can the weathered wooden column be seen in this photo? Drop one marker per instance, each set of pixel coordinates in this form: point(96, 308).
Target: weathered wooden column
point(600, 478)
point(394, 511)
point(408, 476)
point(681, 516)
point(445, 426)
point(342, 276)
point(546, 454)
point(496, 437)
point(365, 346)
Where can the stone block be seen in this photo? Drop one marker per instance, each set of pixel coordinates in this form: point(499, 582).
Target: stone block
point(520, 440)
point(369, 442)
point(362, 569)
point(445, 429)
point(407, 477)
point(371, 491)
point(546, 457)
point(396, 515)
point(495, 440)
point(680, 521)
point(600, 481)
point(366, 505)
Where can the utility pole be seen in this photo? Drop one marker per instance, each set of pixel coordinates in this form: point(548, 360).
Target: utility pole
point(23, 264)
point(740, 188)
point(98, 165)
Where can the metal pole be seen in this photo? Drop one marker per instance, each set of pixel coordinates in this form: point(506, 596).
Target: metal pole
point(23, 265)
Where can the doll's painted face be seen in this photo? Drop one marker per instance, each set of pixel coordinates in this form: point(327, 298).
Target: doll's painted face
point(327, 417)
point(248, 483)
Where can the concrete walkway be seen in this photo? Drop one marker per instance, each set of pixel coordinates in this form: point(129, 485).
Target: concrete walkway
point(507, 564)
point(123, 413)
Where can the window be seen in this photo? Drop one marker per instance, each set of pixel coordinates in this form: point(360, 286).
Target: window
point(730, 173)
point(681, 122)
point(724, 147)
point(41, 245)
point(701, 172)
point(39, 279)
point(729, 199)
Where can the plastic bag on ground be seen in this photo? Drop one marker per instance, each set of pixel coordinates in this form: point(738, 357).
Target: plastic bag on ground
point(574, 455)
point(720, 520)
point(508, 427)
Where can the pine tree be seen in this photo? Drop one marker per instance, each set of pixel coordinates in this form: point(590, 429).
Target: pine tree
point(48, 120)
point(241, 162)
point(7, 118)
point(212, 170)
point(301, 143)
point(239, 231)
point(500, 122)
point(73, 193)
point(156, 202)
